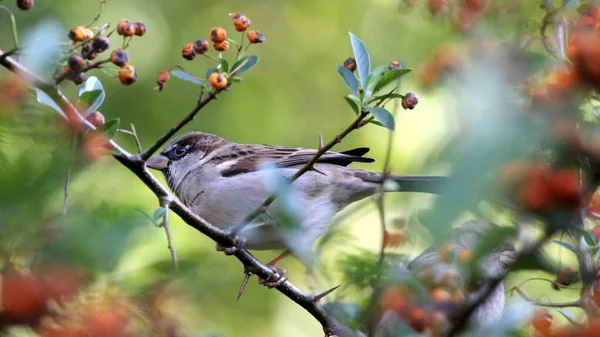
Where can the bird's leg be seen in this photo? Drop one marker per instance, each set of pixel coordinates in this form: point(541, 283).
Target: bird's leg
point(280, 271)
point(238, 243)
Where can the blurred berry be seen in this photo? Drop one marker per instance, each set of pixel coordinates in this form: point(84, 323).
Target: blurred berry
point(394, 65)
point(76, 62)
point(25, 4)
point(255, 36)
point(79, 33)
point(350, 64)
point(140, 28)
point(87, 51)
point(395, 299)
point(78, 78)
point(100, 44)
point(535, 194)
point(391, 240)
point(475, 5)
point(221, 46)
point(188, 51)
point(565, 277)
point(161, 79)
point(96, 118)
point(410, 100)
point(201, 46)
point(465, 256)
point(566, 187)
point(440, 296)
point(436, 6)
point(22, 298)
point(125, 28)
point(542, 321)
point(127, 74)
point(596, 232)
point(119, 57)
point(240, 21)
point(94, 146)
point(418, 319)
point(217, 80)
point(218, 34)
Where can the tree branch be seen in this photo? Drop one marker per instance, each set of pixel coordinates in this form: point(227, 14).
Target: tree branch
point(136, 164)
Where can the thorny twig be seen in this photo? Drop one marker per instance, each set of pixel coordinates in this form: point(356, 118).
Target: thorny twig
point(576, 303)
point(164, 203)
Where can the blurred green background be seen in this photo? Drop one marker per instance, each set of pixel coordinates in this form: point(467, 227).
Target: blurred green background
point(292, 95)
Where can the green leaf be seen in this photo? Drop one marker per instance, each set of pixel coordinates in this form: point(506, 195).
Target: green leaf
point(389, 77)
point(235, 79)
point(46, 100)
point(361, 55)
point(158, 214)
point(589, 238)
point(349, 78)
point(352, 104)
point(569, 316)
point(224, 65)
point(244, 64)
point(566, 245)
point(110, 128)
point(374, 78)
point(569, 4)
point(182, 75)
point(383, 116)
point(92, 93)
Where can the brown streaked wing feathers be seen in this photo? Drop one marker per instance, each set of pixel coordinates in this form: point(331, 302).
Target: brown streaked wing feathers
point(251, 157)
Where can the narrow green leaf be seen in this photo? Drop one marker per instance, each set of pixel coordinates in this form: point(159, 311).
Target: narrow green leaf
point(352, 104)
point(110, 128)
point(389, 77)
point(244, 64)
point(361, 55)
point(383, 116)
point(569, 316)
point(224, 65)
point(566, 245)
point(589, 238)
point(569, 4)
point(182, 75)
point(374, 78)
point(46, 100)
point(158, 214)
point(349, 78)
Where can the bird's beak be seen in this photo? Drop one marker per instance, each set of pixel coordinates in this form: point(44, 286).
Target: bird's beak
point(158, 162)
point(508, 257)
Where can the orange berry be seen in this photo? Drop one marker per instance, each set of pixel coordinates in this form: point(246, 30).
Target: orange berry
point(240, 21)
point(255, 36)
point(96, 118)
point(201, 46)
point(217, 80)
point(535, 193)
point(76, 62)
point(100, 43)
point(418, 319)
point(221, 46)
point(188, 51)
point(410, 100)
point(218, 34)
point(140, 28)
point(119, 57)
point(465, 256)
point(127, 74)
point(78, 34)
point(125, 28)
point(542, 321)
point(350, 64)
point(566, 187)
point(394, 65)
point(440, 296)
point(395, 299)
point(25, 4)
point(161, 79)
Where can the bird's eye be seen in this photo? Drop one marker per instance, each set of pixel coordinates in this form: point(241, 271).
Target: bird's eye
point(181, 151)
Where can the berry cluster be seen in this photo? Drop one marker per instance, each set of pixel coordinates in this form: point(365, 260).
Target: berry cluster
point(87, 45)
point(220, 43)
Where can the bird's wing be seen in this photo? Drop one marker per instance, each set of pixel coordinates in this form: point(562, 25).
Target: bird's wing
point(250, 158)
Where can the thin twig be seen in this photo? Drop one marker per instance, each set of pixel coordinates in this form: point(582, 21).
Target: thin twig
point(13, 23)
point(66, 192)
point(69, 73)
point(138, 144)
point(576, 303)
point(164, 203)
point(307, 167)
point(97, 17)
point(188, 118)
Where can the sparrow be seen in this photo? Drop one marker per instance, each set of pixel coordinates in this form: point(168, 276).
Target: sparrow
point(223, 182)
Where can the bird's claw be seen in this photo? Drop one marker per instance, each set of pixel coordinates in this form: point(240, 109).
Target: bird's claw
point(238, 243)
